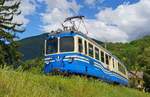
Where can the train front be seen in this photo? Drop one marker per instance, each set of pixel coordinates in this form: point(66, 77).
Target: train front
point(57, 48)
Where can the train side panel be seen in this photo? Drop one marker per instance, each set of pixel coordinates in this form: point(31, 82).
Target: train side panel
point(80, 64)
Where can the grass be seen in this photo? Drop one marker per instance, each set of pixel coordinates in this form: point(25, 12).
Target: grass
point(25, 84)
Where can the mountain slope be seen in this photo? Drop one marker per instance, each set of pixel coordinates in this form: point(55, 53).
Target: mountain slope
point(32, 47)
point(18, 84)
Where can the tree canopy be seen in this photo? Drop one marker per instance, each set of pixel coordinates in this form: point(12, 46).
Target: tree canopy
point(8, 30)
point(135, 55)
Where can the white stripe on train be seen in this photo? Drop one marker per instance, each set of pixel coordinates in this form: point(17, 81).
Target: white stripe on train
point(83, 59)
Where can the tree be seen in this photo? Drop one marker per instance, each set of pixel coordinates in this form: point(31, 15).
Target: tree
point(145, 62)
point(8, 30)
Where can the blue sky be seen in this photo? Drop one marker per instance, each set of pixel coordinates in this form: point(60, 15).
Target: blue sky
point(41, 16)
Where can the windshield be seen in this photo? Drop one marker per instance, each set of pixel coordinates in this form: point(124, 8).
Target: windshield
point(52, 46)
point(66, 44)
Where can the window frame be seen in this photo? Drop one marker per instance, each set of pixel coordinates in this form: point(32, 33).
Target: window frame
point(107, 59)
point(60, 50)
point(46, 43)
point(90, 44)
point(97, 49)
point(102, 56)
point(113, 62)
point(80, 50)
point(85, 47)
point(122, 69)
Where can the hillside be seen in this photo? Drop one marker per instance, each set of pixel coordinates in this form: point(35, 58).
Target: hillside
point(18, 84)
point(32, 47)
point(135, 55)
point(125, 50)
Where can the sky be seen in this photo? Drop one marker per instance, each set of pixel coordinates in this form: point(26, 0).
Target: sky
point(106, 20)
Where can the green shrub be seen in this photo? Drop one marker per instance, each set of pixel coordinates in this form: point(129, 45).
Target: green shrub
point(34, 66)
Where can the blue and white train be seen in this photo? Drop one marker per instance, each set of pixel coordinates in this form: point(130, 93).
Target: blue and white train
point(71, 51)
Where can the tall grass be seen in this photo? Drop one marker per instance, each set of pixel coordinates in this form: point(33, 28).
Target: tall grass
point(18, 84)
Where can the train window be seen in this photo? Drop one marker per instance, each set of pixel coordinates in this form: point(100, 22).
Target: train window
point(85, 46)
point(113, 62)
point(107, 59)
point(80, 48)
point(52, 46)
point(67, 44)
point(102, 56)
point(121, 68)
point(90, 50)
point(97, 53)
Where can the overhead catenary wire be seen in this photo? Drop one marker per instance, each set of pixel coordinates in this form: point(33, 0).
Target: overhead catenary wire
point(84, 26)
point(79, 25)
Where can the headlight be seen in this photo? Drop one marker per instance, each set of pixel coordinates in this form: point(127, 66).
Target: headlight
point(46, 62)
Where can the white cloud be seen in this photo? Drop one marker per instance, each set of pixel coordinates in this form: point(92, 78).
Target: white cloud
point(56, 12)
point(56, 15)
point(27, 7)
point(125, 23)
point(101, 31)
point(93, 2)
